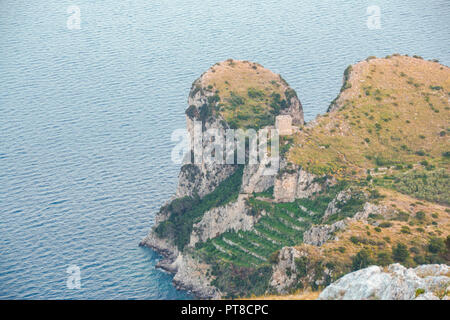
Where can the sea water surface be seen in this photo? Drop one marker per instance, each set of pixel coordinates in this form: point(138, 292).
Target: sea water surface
point(86, 116)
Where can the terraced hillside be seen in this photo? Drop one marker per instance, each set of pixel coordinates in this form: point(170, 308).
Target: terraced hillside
point(280, 225)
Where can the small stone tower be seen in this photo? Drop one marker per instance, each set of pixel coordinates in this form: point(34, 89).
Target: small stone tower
point(284, 125)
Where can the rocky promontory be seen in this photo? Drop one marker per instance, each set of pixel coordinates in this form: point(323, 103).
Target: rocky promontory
point(357, 192)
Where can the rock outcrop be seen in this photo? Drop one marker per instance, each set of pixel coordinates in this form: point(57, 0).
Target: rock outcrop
point(430, 282)
point(294, 183)
point(282, 279)
point(296, 267)
point(336, 203)
point(318, 235)
point(256, 177)
point(191, 275)
point(162, 246)
point(200, 177)
point(233, 216)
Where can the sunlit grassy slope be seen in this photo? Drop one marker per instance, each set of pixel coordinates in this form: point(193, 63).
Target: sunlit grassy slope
point(391, 111)
point(248, 95)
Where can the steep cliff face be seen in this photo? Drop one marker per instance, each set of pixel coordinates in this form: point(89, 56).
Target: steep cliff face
point(354, 188)
point(200, 178)
point(231, 217)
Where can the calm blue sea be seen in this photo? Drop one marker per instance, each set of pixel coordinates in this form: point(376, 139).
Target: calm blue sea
point(86, 116)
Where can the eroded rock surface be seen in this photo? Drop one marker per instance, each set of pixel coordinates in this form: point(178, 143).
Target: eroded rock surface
point(233, 216)
point(392, 283)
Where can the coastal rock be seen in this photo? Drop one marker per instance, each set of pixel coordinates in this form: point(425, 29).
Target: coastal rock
point(191, 276)
point(162, 246)
point(392, 283)
point(202, 178)
point(294, 109)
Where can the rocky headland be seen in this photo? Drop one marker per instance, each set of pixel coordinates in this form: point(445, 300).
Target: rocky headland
point(358, 189)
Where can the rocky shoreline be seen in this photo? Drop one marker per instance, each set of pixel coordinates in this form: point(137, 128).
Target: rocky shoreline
point(189, 275)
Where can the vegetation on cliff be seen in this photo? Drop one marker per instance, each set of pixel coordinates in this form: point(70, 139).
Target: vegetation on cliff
point(246, 94)
point(185, 212)
point(384, 142)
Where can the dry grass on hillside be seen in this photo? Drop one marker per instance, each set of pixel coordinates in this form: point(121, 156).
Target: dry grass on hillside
point(402, 225)
point(396, 111)
point(238, 76)
point(246, 92)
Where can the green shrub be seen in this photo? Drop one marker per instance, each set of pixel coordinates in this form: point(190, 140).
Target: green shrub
point(420, 215)
point(274, 257)
point(384, 258)
point(341, 249)
point(354, 239)
point(419, 292)
point(255, 94)
point(400, 253)
point(402, 216)
point(436, 245)
point(420, 153)
point(191, 111)
point(184, 212)
point(419, 259)
point(385, 224)
point(431, 185)
point(301, 266)
point(414, 250)
point(405, 229)
point(237, 281)
point(362, 260)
